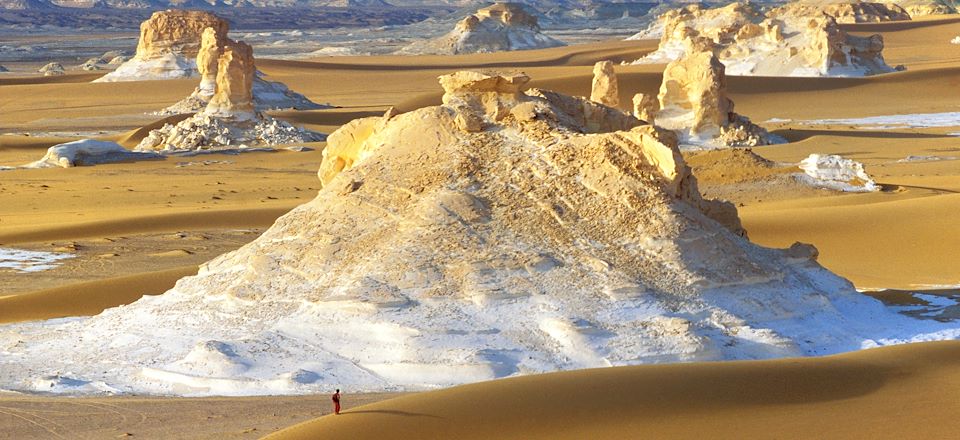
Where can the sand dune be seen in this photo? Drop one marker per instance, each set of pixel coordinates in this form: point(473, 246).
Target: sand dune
point(895, 392)
point(88, 298)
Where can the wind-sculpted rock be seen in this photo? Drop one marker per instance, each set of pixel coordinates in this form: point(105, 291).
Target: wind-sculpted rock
point(845, 11)
point(533, 242)
point(186, 44)
point(786, 41)
point(229, 119)
point(169, 43)
point(693, 101)
point(496, 28)
point(920, 8)
point(645, 107)
point(604, 89)
point(234, 87)
point(52, 69)
point(266, 95)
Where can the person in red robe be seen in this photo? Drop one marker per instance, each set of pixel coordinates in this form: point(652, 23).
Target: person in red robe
point(336, 402)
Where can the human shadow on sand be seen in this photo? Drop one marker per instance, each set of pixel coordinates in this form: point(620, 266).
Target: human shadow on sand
point(391, 412)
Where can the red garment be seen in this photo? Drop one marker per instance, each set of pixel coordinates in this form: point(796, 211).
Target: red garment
point(336, 403)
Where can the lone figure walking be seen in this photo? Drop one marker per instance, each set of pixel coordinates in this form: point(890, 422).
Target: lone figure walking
point(336, 402)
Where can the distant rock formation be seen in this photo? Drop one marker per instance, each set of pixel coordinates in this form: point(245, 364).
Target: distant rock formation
point(784, 42)
point(693, 101)
point(88, 152)
point(168, 44)
point(920, 8)
point(26, 5)
point(604, 89)
point(496, 28)
point(3, 69)
point(52, 69)
point(230, 119)
point(845, 11)
point(507, 231)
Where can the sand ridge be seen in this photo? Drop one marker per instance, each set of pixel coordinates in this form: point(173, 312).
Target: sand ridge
point(844, 396)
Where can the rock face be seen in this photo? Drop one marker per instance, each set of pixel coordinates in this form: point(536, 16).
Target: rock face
point(787, 41)
point(693, 101)
point(604, 89)
point(444, 253)
point(645, 107)
point(230, 119)
point(234, 88)
point(169, 42)
point(208, 56)
point(496, 28)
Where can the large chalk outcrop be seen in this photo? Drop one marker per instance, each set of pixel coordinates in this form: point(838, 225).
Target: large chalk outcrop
point(504, 232)
point(787, 41)
point(693, 101)
point(168, 46)
point(496, 28)
point(230, 119)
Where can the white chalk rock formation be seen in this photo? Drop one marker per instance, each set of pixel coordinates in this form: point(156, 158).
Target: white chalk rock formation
point(496, 28)
point(693, 101)
point(920, 8)
point(784, 42)
point(836, 172)
point(845, 11)
point(491, 236)
point(266, 95)
point(52, 69)
point(604, 89)
point(87, 152)
point(169, 43)
point(230, 119)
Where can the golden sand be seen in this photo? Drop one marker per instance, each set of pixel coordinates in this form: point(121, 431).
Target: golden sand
point(894, 392)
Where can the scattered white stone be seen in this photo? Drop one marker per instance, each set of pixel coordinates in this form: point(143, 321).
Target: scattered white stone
point(88, 152)
point(25, 261)
point(836, 172)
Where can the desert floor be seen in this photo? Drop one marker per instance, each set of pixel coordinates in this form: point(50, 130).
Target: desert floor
point(135, 228)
